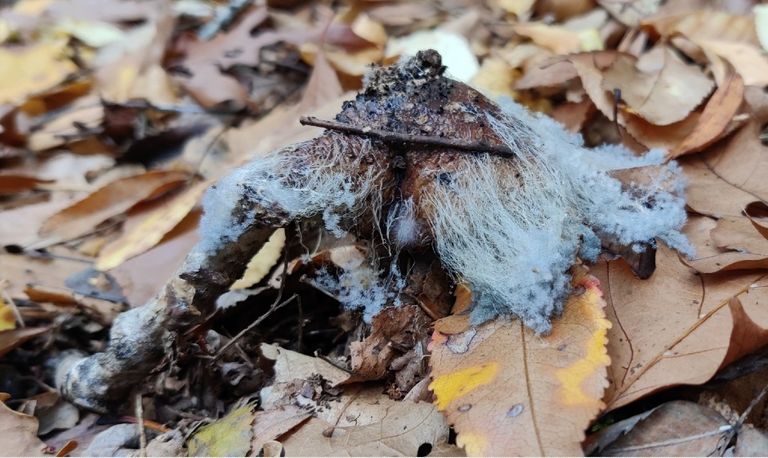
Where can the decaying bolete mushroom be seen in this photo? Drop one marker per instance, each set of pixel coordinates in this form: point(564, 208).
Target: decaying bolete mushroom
point(508, 201)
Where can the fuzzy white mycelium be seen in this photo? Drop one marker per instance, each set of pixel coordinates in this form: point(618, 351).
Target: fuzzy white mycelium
point(512, 240)
point(514, 243)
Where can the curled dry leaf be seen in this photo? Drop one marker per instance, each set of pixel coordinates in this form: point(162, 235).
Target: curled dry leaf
point(111, 200)
point(662, 96)
point(18, 434)
point(678, 327)
point(726, 244)
point(716, 117)
point(507, 391)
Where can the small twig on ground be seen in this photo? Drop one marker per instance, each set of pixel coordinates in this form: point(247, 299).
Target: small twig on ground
point(677, 440)
point(275, 306)
point(140, 425)
point(742, 418)
point(396, 137)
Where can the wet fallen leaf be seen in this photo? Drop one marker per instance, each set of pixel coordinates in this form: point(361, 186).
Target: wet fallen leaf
point(229, 436)
point(111, 200)
point(507, 391)
point(18, 433)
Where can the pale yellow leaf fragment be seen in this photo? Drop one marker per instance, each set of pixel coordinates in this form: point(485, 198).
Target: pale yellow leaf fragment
point(27, 71)
point(259, 266)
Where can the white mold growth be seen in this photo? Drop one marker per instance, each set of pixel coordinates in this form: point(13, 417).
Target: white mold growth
point(514, 239)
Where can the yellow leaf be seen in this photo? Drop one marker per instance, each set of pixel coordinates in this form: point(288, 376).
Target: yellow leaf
point(258, 267)
point(150, 229)
point(7, 318)
point(230, 436)
point(517, 7)
point(508, 391)
point(33, 69)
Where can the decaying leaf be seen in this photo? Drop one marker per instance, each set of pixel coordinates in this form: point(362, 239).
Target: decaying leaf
point(229, 436)
point(18, 434)
point(507, 391)
point(12, 338)
point(365, 421)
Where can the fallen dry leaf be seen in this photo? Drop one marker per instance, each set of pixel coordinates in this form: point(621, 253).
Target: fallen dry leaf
point(394, 330)
point(111, 200)
point(732, 170)
point(715, 118)
point(35, 69)
point(229, 436)
point(705, 24)
point(18, 434)
point(507, 391)
point(678, 327)
point(365, 422)
point(676, 428)
point(268, 425)
point(663, 96)
point(726, 244)
point(149, 227)
point(12, 338)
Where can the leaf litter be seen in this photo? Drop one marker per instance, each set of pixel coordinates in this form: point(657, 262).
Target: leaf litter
point(138, 111)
